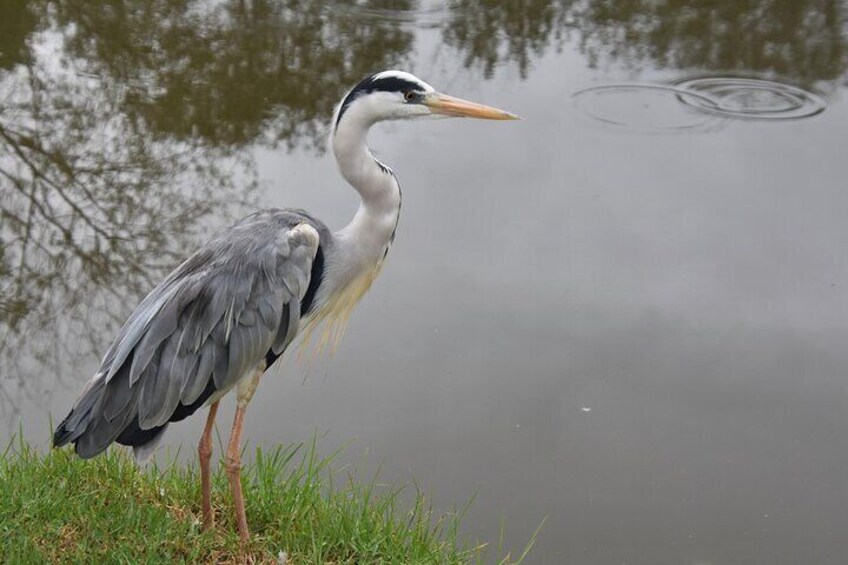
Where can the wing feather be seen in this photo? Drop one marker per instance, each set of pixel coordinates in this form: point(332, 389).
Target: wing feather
point(196, 382)
point(215, 317)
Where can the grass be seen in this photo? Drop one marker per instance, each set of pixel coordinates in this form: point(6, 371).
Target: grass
point(57, 508)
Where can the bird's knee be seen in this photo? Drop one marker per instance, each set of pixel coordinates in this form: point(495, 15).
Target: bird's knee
point(204, 450)
point(232, 465)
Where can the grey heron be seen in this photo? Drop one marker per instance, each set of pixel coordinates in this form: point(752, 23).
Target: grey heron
point(230, 310)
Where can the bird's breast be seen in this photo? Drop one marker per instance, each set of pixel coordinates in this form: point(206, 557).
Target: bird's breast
point(333, 310)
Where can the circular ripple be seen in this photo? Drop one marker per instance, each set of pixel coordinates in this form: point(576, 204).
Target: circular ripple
point(694, 103)
point(750, 99)
point(644, 106)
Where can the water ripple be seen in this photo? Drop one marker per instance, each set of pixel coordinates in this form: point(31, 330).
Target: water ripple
point(696, 102)
point(750, 99)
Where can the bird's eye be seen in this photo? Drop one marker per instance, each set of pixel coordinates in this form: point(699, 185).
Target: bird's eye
point(409, 96)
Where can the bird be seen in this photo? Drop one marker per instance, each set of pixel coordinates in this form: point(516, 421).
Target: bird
point(221, 318)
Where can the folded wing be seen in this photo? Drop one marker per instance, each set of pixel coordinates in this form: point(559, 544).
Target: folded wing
point(207, 325)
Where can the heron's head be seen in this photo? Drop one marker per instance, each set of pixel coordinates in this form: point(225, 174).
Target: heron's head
point(397, 95)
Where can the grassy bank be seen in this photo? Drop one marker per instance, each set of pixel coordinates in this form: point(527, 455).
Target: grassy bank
point(56, 508)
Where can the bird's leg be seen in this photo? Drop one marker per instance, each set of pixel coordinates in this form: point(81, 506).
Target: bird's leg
point(232, 462)
point(204, 450)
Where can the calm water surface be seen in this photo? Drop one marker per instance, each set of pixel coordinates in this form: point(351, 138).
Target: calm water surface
point(622, 313)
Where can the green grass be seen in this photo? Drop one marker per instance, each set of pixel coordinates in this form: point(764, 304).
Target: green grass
point(57, 508)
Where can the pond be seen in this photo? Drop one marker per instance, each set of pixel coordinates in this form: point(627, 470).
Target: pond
point(625, 314)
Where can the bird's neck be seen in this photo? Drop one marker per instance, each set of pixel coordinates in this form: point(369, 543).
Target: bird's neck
point(366, 239)
point(360, 247)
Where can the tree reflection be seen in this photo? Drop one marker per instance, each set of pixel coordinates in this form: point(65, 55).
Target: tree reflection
point(489, 33)
point(236, 72)
point(92, 212)
point(123, 129)
point(17, 22)
point(800, 39)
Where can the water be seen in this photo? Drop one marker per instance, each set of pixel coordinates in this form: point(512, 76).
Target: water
point(635, 329)
point(752, 99)
point(669, 107)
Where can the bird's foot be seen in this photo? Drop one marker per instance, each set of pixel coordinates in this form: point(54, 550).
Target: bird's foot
point(208, 519)
point(233, 467)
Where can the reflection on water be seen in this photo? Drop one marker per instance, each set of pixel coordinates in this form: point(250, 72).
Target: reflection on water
point(802, 39)
point(232, 73)
point(18, 21)
point(94, 211)
point(412, 14)
point(123, 135)
point(489, 33)
point(652, 279)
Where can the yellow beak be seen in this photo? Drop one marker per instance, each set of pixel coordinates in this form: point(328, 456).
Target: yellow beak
point(450, 106)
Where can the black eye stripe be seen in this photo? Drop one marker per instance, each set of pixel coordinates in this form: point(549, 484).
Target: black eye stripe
point(393, 84)
point(369, 85)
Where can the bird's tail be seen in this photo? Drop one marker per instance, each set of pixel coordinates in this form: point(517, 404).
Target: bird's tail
point(77, 421)
point(91, 429)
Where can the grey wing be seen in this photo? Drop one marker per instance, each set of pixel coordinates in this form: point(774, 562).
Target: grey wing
point(201, 330)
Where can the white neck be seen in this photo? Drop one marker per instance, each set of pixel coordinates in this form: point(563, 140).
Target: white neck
point(364, 242)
